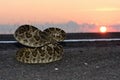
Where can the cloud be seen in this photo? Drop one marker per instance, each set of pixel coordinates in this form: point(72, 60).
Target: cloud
point(107, 9)
point(69, 27)
point(115, 28)
point(7, 29)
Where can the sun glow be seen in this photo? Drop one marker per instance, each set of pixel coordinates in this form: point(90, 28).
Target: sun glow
point(103, 29)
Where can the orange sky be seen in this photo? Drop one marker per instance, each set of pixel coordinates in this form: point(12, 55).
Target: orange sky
point(100, 12)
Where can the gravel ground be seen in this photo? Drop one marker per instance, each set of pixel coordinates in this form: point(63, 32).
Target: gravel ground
point(78, 63)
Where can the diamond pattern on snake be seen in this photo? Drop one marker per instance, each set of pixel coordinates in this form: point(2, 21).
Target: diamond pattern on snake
point(41, 46)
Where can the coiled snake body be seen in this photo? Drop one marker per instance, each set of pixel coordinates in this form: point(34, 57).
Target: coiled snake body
point(41, 46)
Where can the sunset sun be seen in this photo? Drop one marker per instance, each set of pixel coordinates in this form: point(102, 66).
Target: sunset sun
point(103, 29)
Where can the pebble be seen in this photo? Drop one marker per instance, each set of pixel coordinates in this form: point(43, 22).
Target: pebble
point(86, 64)
point(97, 66)
point(56, 69)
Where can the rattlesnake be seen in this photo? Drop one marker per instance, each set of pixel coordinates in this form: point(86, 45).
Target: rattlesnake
point(41, 46)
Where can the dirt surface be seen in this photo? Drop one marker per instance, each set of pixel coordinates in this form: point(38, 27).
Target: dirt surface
point(78, 63)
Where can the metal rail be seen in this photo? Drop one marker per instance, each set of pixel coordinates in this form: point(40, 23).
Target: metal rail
point(75, 40)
